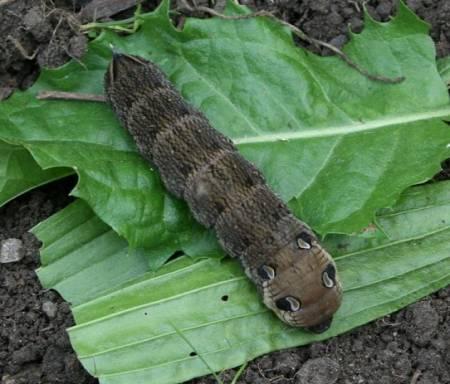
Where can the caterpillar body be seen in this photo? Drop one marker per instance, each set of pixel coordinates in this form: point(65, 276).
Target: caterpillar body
point(296, 277)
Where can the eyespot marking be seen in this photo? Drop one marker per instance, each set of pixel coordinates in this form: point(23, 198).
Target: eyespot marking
point(288, 303)
point(329, 276)
point(304, 241)
point(266, 272)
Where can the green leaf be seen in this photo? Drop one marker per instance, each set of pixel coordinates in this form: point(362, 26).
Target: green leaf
point(68, 263)
point(444, 69)
point(129, 319)
point(19, 172)
point(335, 144)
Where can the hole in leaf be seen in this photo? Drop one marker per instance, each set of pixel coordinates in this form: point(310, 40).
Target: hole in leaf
point(224, 298)
point(175, 255)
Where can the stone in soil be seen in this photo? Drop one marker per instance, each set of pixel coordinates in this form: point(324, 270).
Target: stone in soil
point(423, 323)
point(11, 251)
point(49, 308)
point(321, 370)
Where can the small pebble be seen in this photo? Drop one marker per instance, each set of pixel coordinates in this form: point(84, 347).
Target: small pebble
point(8, 380)
point(424, 321)
point(322, 370)
point(49, 308)
point(11, 250)
point(384, 10)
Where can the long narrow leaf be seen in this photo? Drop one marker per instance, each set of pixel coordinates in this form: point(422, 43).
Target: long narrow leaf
point(444, 69)
point(125, 314)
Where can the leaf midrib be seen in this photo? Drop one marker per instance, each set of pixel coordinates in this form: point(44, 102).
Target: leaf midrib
point(344, 130)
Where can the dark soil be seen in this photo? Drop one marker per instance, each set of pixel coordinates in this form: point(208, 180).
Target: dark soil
point(35, 34)
point(330, 20)
point(34, 347)
point(411, 346)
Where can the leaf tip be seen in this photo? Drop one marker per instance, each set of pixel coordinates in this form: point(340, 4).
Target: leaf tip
point(406, 14)
point(163, 9)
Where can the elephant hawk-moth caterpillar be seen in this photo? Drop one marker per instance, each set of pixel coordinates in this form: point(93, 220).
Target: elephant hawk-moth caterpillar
point(280, 254)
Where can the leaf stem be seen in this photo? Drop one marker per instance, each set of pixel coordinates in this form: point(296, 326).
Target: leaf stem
point(239, 373)
point(57, 95)
point(130, 25)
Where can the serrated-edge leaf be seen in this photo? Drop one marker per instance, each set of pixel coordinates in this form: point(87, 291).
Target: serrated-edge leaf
point(19, 172)
point(251, 81)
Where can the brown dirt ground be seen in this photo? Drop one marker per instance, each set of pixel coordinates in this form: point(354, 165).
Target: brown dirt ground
point(411, 346)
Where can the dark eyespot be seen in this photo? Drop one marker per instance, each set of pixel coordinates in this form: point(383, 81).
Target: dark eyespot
point(329, 276)
point(288, 303)
point(304, 240)
point(266, 272)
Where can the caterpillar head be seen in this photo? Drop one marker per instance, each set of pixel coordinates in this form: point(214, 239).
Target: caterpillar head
point(127, 77)
point(301, 285)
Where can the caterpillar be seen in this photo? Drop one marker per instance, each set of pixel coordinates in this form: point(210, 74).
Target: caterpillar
point(295, 276)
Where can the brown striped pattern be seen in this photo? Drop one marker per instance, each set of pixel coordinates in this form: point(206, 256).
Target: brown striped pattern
point(225, 192)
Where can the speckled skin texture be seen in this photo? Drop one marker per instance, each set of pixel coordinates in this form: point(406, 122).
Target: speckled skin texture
point(225, 192)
